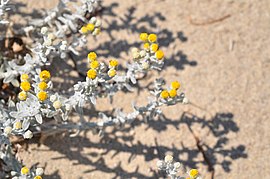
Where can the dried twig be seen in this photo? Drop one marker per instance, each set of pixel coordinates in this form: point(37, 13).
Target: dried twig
point(212, 21)
point(200, 148)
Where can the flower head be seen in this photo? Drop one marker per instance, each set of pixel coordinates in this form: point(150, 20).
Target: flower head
point(44, 75)
point(172, 93)
point(96, 31)
point(112, 72)
point(42, 85)
point(146, 46)
point(92, 74)
point(84, 30)
point(25, 86)
point(24, 170)
point(90, 27)
point(154, 47)
point(164, 94)
point(39, 171)
point(92, 56)
point(159, 54)
point(24, 77)
point(57, 104)
point(28, 134)
point(42, 95)
point(17, 125)
point(175, 85)
point(38, 177)
point(168, 159)
point(152, 38)
point(22, 95)
point(193, 173)
point(113, 63)
point(94, 64)
point(144, 36)
point(7, 130)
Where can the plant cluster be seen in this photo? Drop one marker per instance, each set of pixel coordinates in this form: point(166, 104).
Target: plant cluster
point(61, 32)
point(173, 169)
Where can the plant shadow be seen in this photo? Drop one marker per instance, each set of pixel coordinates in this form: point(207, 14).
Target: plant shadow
point(219, 126)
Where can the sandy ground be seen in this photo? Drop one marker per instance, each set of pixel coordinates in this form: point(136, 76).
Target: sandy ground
point(220, 51)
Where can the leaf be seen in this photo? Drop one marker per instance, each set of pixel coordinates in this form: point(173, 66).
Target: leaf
point(93, 100)
point(133, 79)
point(25, 124)
point(38, 118)
point(15, 83)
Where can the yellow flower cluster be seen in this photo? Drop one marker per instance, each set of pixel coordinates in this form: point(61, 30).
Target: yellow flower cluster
point(25, 87)
point(165, 94)
point(91, 28)
point(151, 45)
point(112, 65)
point(94, 65)
point(44, 77)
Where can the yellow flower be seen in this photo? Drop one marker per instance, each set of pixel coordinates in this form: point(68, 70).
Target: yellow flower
point(164, 94)
point(175, 85)
point(144, 36)
point(22, 95)
point(92, 74)
point(44, 75)
point(172, 93)
point(193, 173)
point(90, 27)
point(84, 30)
point(17, 125)
point(24, 170)
point(25, 86)
point(146, 46)
point(42, 85)
point(113, 63)
point(154, 47)
point(152, 38)
point(24, 77)
point(92, 56)
point(37, 177)
point(94, 64)
point(112, 72)
point(159, 54)
point(42, 95)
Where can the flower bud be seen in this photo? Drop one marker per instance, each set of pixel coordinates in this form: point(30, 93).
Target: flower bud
point(57, 104)
point(28, 134)
point(53, 98)
point(145, 65)
point(39, 171)
point(93, 20)
point(185, 100)
point(44, 30)
point(168, 159)
point(177, 165)
point(7, 130)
